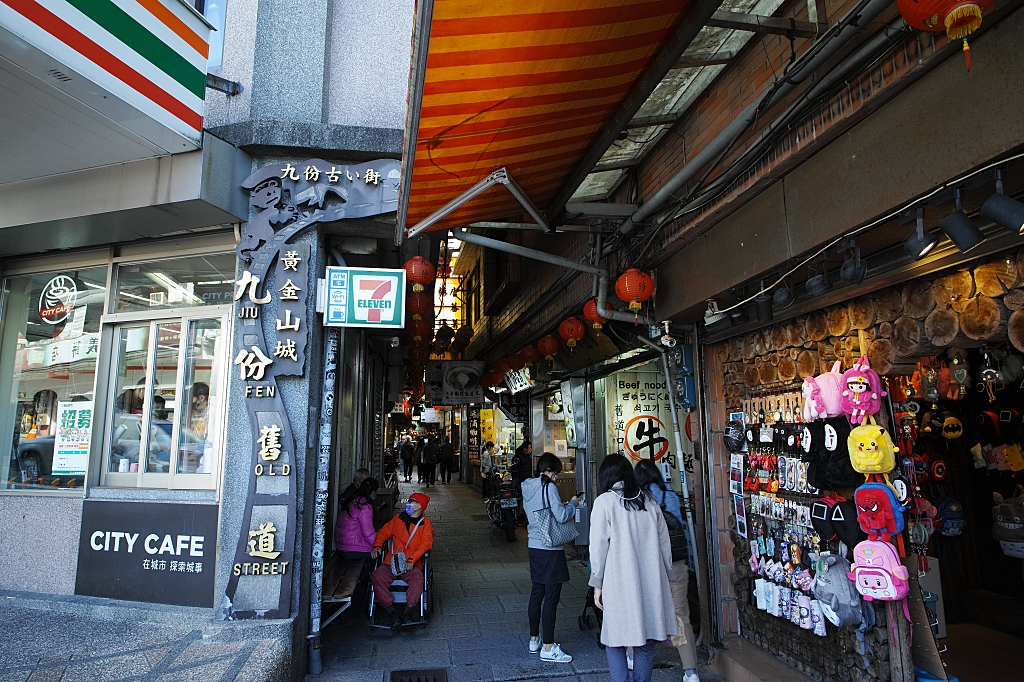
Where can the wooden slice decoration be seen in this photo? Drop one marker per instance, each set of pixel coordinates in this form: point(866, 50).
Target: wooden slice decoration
point(888, 304)
point(807, 363)
point(760, 345)
point(941, 327)
point(780, 337)
point(838, 321)
point(862, 313)
point(748, 347)
point(817, 326)
point(722, 353)
point(885, 330)
point(1014, 300)
point(1019, 262)
point(797, 330)
point(906, 335)
point(737, 349)
point(1015, 329)
point(750, 376)
point(917, 299)
point(774, 359)
point(758, 361)
point(952, 291)
point(881, 354)
point(997, 277)
point(980, 318)
point(767, 373)
point(794, 353)
point(787, 368)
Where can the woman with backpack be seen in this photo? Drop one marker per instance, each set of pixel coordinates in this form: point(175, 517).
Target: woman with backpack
point(650, 479)
point(631, 565)
point(354, 532)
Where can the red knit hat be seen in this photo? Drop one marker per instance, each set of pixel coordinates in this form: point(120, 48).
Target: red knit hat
point(422, 499)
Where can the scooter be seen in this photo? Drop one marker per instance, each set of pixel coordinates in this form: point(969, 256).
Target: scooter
point(503, 506)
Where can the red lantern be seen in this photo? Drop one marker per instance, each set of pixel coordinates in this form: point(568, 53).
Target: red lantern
point(549, 345)
point(418, 304)
point(571, 330)
point(590, 312)
point(957, 18)
point(530, 354)
point(634, 287)
point(501, 366)
point(418, 329)
point(490, 379)
point(420, 272)
point(515, 361)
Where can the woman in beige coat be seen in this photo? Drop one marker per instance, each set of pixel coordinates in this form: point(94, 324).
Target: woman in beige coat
point(631, 565)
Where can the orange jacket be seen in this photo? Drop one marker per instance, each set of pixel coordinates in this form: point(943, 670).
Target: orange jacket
point(396, 531)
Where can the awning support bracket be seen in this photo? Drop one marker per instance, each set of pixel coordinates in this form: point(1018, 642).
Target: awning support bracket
point(498, 177)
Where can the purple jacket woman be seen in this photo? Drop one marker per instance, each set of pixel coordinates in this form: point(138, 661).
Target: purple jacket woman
point(354, 532)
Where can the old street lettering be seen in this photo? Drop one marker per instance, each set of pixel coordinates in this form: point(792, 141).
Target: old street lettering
point(260, 568)
point(260, 390)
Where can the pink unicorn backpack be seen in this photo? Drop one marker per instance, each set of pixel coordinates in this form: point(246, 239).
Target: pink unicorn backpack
point(861, 391)
point(823, 395)
point(878, 573)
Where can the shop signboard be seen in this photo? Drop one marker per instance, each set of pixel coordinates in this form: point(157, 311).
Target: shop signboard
point(515, 407)
point(473, 435)
point(430, 416)
point(462, 382)
point(518, 380)
point(364, 297)
point(148, 551)
point(433, 382)
point(71, 442)
point(486, 426)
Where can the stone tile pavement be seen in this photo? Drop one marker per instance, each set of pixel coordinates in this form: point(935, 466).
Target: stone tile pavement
point(479, 629)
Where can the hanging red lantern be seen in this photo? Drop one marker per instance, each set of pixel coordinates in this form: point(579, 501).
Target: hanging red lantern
point(501, 366)
point(530, 354)
point(572, 330)
point(957, 18)
point(549, 345)
point(515, 361)
point(490, 379)
point(634, 287)
point(418, 330)
point(590, 312)
point(420, 272)
point(419, 305)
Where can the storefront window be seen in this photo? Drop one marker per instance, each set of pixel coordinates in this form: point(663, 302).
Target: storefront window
point(177, 283)
point(52, 321)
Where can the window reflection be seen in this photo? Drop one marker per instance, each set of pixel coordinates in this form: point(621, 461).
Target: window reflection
point(177, 283)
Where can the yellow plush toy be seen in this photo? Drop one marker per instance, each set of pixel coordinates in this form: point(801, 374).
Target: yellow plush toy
point(871, 449)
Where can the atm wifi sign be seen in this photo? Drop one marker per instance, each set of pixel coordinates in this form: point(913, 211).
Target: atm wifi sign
point(364, 297)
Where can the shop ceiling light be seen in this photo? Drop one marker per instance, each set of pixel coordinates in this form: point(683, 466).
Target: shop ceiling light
point(783, 296)
point(964, 234)
point(1004, 211)
point(763, 306)
point(853, 270)
point(918, 243)
point(712, 315)
point(818, 284)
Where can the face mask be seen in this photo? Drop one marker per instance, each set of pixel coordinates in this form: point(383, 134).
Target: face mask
point(409, 510)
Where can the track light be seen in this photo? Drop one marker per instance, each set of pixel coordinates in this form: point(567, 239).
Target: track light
point(1003, 210)
point(783, 297)
point(712, 315)
point(818, 284)
point(918, 243)
point(738, 315)
point(964, 234)
point(763, 306)
point(853, 270)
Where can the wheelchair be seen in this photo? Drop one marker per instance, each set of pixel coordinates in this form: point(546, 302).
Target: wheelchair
point(398, 591)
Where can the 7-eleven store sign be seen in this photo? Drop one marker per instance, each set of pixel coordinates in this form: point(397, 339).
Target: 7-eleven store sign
point(364, 298)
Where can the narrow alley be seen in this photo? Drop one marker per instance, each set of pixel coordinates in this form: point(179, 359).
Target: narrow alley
point(479, 628)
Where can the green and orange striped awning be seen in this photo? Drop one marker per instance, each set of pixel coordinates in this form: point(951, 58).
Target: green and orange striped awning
point(520, 84)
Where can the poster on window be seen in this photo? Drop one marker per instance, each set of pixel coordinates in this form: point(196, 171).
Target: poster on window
point(640, 421)
point(71, 441)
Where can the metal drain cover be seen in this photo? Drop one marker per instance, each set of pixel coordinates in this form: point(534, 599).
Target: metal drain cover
point(438, 675)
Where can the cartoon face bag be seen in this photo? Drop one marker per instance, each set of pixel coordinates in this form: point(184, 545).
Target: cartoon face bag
point(861, 391)
point(878, 573)
point(871, 449)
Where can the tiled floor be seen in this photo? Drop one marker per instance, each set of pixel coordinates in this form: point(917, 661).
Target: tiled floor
point(479, 629)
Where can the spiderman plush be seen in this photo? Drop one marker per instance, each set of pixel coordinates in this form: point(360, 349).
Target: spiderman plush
point(875, 513)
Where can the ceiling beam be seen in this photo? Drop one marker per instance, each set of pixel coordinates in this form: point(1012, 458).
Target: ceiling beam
point(756, 23)
point(694, 20)
point(690, 60)
point(598, 209)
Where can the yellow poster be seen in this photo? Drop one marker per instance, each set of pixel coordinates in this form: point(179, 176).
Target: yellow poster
point(486, 426)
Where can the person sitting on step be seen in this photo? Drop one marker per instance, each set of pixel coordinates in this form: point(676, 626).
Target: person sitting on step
point(412, 536)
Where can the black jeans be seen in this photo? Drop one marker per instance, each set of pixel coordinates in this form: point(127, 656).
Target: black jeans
point(407, 468)
point(549, 596)
point(429, 473)
point(446, 470)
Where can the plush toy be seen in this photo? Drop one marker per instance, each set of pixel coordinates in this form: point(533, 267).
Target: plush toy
point(877, 511)
point(822, 395)
point(862, 391)
point(1008, 517)
point(871, 449)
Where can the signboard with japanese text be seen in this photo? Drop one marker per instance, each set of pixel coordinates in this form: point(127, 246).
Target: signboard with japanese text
point(289, 349)
point(71, 441)
point(462, 382)
point(148, 551)
point(364, 297)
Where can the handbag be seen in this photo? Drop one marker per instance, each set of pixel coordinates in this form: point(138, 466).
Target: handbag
point(676, 532)
point(553, 533)
point(399, 562)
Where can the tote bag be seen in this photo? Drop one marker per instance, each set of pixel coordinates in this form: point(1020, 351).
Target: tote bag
point(552, 532)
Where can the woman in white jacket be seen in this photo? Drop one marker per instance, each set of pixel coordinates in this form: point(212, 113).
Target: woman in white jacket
point(631, 565)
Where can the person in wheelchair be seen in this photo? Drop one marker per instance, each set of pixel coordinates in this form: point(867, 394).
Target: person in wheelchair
point(411, 535)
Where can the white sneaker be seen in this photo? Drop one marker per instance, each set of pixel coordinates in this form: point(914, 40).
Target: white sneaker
point(555, 655)
point(535, 646)
point(690, 677)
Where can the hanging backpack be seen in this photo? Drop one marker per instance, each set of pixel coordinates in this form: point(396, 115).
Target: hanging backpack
point(834, 589)
point(839, 473)
point(879, 514)
point(949, 516)
point(822, 395)
point(676, 532)
point(862, 391)
point(877, 572)
point(821, 517)
point(871, 449)
point(844, 521)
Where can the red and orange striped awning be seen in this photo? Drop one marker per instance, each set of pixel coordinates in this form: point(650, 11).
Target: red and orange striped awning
point(525, 85)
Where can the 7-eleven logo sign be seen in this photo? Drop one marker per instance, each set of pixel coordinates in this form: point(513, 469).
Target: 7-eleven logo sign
point(374, 298)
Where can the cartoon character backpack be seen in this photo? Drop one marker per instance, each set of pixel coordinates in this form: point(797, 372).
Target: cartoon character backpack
point(862, 391)
point(839, 472)
point(877, 572)
point(834, 589)
point(1008, 523)
point(871, 449)
point(878, 512)
point(949, 516)
point(823, 395)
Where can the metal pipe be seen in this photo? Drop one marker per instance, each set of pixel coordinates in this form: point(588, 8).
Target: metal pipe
point(691, 538)
point(850, 25)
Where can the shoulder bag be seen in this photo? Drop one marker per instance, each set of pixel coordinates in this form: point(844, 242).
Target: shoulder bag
point(553, 533)
point(676, 532)
point(399, 562)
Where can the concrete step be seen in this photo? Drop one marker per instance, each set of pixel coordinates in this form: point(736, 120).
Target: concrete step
point(742, 661)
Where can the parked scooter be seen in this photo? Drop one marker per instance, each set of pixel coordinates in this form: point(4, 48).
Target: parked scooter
point(503, 505)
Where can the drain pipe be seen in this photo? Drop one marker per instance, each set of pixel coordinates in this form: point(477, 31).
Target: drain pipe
point(599, 273)
point(851, 25)
point(691, 538)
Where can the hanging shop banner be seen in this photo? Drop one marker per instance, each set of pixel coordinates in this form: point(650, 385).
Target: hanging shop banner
point(567, 413)
point(518, 380)
point(430, 416)
point(486, 426)
point(462, 382)
point(71, 442)
point(473, 436)
point(364, 297)
point(148, 551)
point(433, 382)
point(515, 407)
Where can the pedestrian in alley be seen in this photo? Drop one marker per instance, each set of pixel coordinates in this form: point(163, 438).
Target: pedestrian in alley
point(354, 533)
point(631, 565)
point(447, 460)
point(407, 452)
point(418, 459)
point(650, 479)
point(548, 569)
point(431, 456)
point(486, 469)
point(411, 535)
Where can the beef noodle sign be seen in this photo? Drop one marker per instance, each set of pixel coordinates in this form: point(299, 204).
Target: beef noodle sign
point(57, 299)
point(639, 423)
